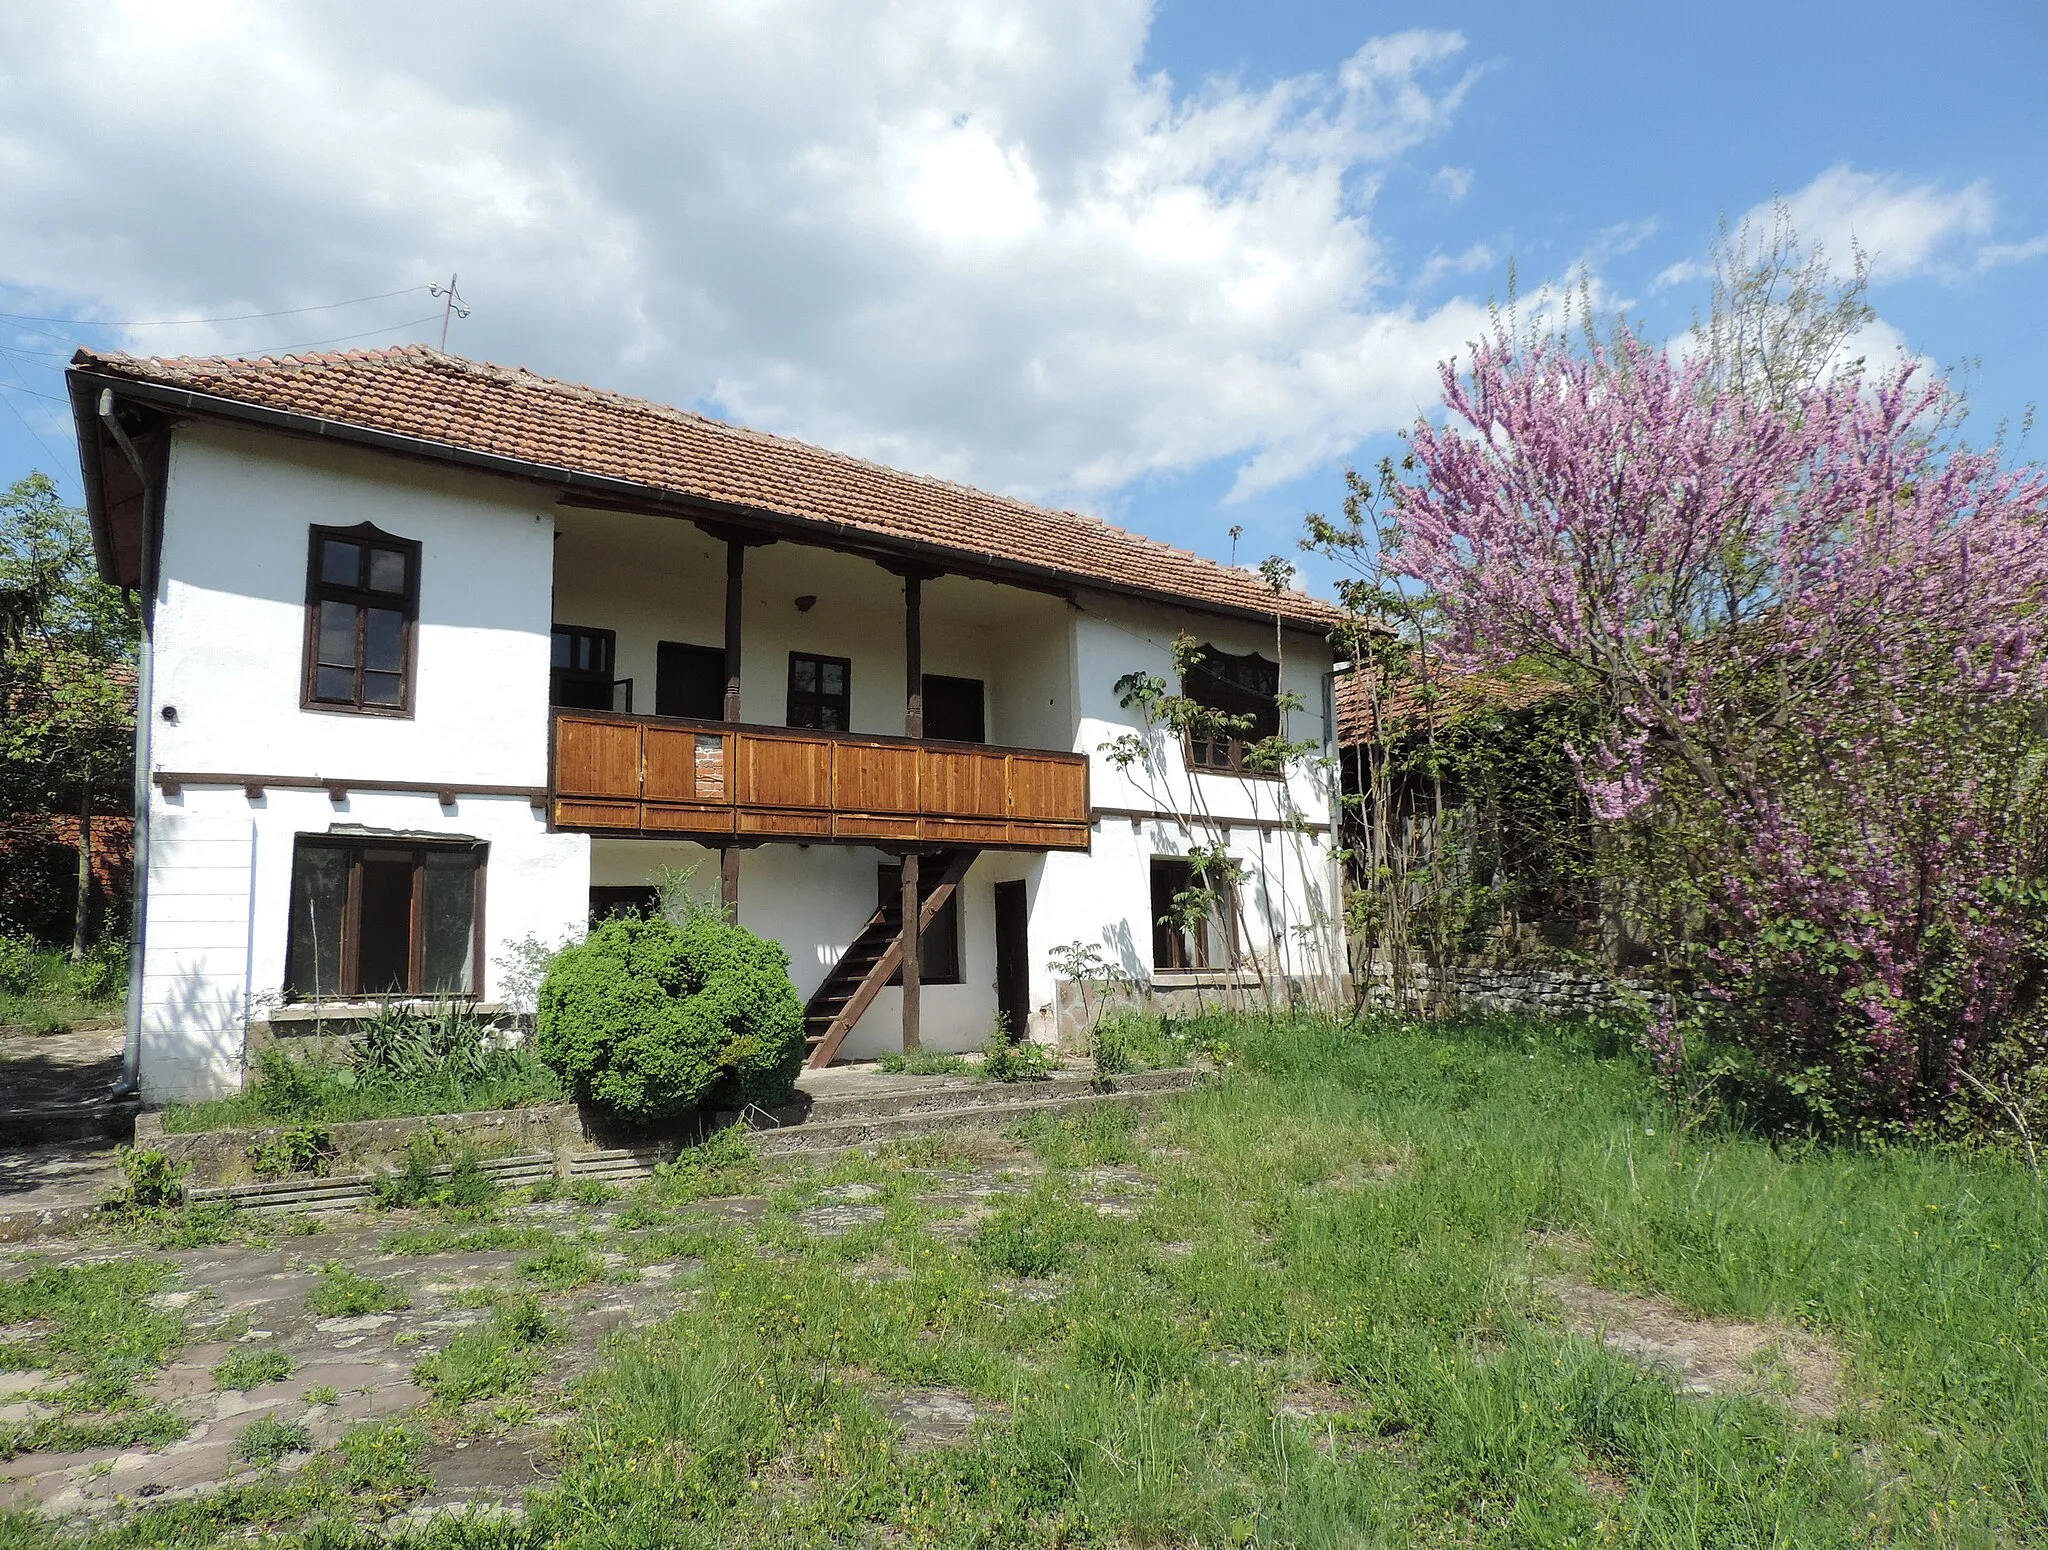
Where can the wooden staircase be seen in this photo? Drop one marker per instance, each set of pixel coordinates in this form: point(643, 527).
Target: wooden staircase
point(875, 955)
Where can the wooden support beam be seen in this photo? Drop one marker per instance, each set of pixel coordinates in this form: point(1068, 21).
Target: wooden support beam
point(913, 656)
point(912, 922)
point(729, 882)
point(735, 576)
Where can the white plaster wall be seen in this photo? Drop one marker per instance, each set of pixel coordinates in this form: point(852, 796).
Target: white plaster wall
point(535, 884)
point(651, 579)
point(195, 962)
point(230, 621)
point(814, 900)
point(1114, 637)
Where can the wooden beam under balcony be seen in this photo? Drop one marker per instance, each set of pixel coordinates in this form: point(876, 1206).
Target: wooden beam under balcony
point(717, 783)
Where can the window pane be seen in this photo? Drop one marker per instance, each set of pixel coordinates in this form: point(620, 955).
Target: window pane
point(338, 634)
point(334, 683)
point(387, 570)
point(450, 924)
point(559, 647)
point(340, 563)
point(832, 677)
point(384, 947)
point(803, 675)
point(830, 718)
point(383, 689)
point(319, 898)
point(383, 639)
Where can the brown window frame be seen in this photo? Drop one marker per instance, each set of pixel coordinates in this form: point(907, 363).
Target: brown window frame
point(1224, 754)
point(1172, 951)
point(356, 847)
point(598, 678)
point(368, 537)
point(844, 699)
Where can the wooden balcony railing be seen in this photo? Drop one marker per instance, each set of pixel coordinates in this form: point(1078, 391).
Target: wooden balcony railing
point(661, 776)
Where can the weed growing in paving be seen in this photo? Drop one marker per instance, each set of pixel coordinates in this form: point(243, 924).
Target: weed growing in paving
point(593, 1192)
point(342, 1293)
point(562, 1267)
point(323, 1394)
point(923, 1062)
point(497, 1359)
point(267, 1439)
point(1039, 1236)
point(92, 1327)
point(435, 1172)
point(249, 1366)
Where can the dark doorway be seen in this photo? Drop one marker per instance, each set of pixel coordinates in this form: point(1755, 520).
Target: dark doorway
point(384, 950)
point(605, 902)
point(1013, 958)
point(689, 681)
point(953, 709)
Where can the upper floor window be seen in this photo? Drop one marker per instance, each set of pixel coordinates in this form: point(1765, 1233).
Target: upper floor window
point(1245, 688)
point(820, 692)
point(362, 606)
point(580, 667)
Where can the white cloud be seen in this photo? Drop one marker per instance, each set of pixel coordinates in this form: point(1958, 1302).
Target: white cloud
point(1905, 229)
point(964, 236)
point(1477, 259)
point(1454, 183)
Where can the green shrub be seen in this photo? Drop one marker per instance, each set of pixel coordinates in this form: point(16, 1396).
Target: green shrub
point(21, 969)
point(437, 1172)
point(152, 1183)
point(103, 975)
point(649, 1019)
point(294, 1150)
point(1016, 1060)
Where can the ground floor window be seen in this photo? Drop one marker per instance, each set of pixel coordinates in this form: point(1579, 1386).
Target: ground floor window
point(1178, 943)
point(938, 947)
point(384, 918)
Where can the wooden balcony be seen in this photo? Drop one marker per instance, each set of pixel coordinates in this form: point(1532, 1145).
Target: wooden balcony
point(714, 781)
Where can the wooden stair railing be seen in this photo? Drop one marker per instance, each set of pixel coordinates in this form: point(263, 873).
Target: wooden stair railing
point(867, 965)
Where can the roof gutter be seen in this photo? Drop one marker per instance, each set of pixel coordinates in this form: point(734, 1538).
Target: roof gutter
point(145, 661)
point(1044, 578)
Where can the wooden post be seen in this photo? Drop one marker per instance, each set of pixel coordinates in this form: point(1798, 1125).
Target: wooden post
point(913, 658)
point(735, 572)
point(910, 945)
point(729, 882)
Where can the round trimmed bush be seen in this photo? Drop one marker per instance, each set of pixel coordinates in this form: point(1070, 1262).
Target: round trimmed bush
point(650, 1019)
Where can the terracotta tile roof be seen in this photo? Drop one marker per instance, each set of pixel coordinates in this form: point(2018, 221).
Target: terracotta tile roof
point(1458, 697)
point(513, 413)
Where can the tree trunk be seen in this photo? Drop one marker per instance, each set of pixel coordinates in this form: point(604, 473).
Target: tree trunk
point(80, 914)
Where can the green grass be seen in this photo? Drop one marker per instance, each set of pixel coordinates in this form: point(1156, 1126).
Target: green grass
point(563, 1267)
point(45, 992)
point(1321, 1325)
point(247, 1367)
point(267, 1439)
point(923, 1062)
point(490, 1361)
point(342, 1293)
point(326, 1093)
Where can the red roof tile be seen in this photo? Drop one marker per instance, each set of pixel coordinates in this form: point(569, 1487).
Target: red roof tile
point(512, 413)
point(1464, 695)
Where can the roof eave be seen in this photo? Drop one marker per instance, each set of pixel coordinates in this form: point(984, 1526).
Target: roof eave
point(85, 382)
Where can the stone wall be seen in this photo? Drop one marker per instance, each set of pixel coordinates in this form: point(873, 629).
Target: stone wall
point(1554, 990)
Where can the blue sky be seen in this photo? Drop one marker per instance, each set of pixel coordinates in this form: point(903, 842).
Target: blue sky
point(1175, 265)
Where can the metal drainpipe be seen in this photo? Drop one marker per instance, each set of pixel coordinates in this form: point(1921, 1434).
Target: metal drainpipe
point(138, 915)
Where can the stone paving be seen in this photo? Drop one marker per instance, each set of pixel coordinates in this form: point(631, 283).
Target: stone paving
point(254, 1295)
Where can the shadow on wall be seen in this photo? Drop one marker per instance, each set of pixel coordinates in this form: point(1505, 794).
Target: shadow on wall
point(194, 1036)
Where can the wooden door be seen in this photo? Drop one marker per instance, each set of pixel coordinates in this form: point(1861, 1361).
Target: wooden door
point(1013, 958)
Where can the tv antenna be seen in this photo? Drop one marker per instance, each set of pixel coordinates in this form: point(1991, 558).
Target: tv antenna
point(452, 304)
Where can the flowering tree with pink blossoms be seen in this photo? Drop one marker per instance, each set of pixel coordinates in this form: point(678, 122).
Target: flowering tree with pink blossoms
point(1814, 624)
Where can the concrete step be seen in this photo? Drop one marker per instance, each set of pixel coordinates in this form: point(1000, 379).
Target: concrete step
point(873, 1129)
point(340, 1194)
point(928, 1095)
point(42, 1124)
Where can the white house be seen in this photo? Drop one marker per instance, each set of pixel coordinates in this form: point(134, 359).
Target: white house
point(442, 657)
